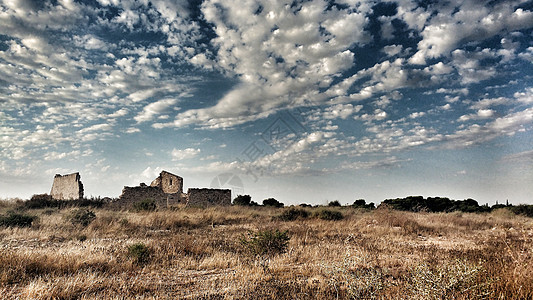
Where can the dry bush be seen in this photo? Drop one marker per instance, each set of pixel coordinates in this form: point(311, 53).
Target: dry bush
point(403, 220)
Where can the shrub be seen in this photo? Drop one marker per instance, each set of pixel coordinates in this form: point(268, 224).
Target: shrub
point(292, 214)
point(268, 242)
point(361, 203)
point(447, 280)
point(40, 201)
point(82, 217)
point(526, 210)
point(144, 205)
point(272, 202)
point(335, 203)
point(243, 200)
point(330, 215)
point(16, 220)
point(140, 253)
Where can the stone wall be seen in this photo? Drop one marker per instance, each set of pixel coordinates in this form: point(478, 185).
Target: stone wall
point(67, 187)
point(169, 183)
point(209, 197)
point(131, 195)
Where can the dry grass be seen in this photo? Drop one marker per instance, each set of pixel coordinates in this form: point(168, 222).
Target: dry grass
point(196, 254)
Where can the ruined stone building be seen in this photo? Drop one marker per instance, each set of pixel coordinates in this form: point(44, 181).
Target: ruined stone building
point(67, 187)
point(167, 190)
point(209, 197)
point(169, 183)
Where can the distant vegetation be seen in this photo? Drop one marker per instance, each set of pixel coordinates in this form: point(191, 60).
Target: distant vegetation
point(410, 203)
point(439, 204)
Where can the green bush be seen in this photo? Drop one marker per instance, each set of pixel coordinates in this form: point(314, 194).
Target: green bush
point(268, 242)
point(272, 202)
point(140, 253)
point(16, 220)
point(243, 200)
point(525, 210)
point(292, 214)
point(82, 217)
point(144, 205)
point(330, 215)
point(335, 203)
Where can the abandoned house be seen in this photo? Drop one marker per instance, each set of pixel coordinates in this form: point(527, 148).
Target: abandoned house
point(209, 197)
point(67, 187)
point(167, 190)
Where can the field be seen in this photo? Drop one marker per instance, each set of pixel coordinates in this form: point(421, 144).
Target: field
point(243, 253)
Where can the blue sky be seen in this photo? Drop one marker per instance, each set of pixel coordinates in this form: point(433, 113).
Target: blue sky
point(304, 101)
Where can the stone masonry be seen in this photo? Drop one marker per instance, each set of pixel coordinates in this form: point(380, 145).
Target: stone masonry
point(169, 183)
point(209, 197)
point(67, 187)
point(165, 190)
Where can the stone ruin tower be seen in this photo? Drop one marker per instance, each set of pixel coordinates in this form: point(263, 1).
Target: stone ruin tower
point(67, 187)
point(169, 183)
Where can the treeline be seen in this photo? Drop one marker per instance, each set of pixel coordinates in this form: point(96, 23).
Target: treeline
point(441, 204)
point(411, 203)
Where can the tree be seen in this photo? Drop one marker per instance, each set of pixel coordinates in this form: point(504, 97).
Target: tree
point(243, 200)
point(335, 203)
point(359, 203)
point(272, 202)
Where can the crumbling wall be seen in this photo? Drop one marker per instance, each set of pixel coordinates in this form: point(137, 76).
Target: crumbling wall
point(131, 195)
point(67, 187)
point(209, 197)
point(169, 183)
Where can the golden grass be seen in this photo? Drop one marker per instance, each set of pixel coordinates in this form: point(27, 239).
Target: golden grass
point(196, 254)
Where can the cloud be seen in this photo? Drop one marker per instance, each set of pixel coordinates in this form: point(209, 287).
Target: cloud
point(153, 109)
point(525, 97)
point(417, 115)
point(523, 158)
point(281, 54)
point(392, 50)
point(184, 154)
point(476, 134)
point(527, 55)
point(471, 21)
point(480, 115)
point(389, 162)
point(342, 111)
point(490, 102)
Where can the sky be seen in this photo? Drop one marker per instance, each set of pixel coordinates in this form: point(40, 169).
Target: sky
point(302, 101)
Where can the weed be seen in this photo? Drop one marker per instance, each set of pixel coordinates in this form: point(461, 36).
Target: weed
point(82, 217)
point(140, 253)
point(292, 214)
point(16, 220)
point(445, 281)
point(330, 215)
point(358, 275)
point(267, 242)
point(144, 205)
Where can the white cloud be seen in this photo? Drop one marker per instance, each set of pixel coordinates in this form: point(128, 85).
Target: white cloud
point(57, 156)
point(479, 115)
point(471, 21)
point(153, 109)
point(342, 111)
point(279, 54)
point(417, 115)
point(525, 97)
point(389, 162)
point(490, 102)
point(476, 134)
point(392, 50)
point(187, 153)
point(528, 55)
